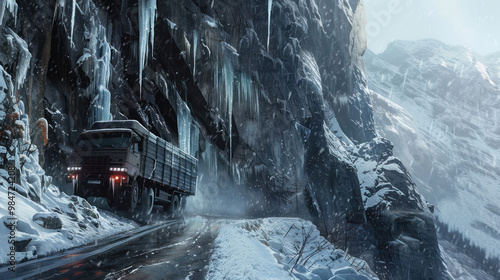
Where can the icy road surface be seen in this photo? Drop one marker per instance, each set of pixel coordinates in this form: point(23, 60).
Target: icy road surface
point(173, 249)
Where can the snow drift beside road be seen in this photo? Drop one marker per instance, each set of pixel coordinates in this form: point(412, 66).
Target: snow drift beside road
point(279, 248)
point(58, 222)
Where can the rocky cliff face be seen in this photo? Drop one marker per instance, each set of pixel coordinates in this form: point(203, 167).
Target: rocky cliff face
point(439, 105)
point(269, 95)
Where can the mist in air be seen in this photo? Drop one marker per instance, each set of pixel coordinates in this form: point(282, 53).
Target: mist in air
point(473, 24)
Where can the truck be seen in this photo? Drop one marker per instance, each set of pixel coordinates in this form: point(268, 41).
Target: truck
point(131, 167)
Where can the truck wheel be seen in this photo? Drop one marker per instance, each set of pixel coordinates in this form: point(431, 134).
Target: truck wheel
point(174, 206)
point(133, 196)
point(147, 201)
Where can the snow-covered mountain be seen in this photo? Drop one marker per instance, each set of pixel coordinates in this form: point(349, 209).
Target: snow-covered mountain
point(440, 106)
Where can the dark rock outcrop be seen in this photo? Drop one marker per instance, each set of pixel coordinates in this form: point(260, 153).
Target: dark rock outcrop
point(48, 221)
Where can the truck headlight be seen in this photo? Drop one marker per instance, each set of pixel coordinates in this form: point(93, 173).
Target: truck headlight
point(74, 168)
point(118, 169)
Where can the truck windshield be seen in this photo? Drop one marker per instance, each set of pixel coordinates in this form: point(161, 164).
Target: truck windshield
point(108, 140)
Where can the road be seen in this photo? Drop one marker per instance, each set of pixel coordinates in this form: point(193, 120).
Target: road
point(175, 249)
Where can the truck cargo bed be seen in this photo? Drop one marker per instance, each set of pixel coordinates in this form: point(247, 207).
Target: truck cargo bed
point(164, 163)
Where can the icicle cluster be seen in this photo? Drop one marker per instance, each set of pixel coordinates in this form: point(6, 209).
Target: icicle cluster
point(188, 129)
point(23, 63)
point(147, 17)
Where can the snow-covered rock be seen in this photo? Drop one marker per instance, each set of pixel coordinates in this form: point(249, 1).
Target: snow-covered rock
point(403, 224)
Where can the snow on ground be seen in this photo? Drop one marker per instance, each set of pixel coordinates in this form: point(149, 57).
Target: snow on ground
point(280, 248)
point(58, 222)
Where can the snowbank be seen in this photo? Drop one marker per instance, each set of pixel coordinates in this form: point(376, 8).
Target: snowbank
point(58, 222)
point(279, 248)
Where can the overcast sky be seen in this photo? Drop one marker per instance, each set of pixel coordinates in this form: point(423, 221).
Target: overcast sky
point(473, 23)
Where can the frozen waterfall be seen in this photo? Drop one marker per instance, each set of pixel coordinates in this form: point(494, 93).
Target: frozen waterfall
point(101, 103)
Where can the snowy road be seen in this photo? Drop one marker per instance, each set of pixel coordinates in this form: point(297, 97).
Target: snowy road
point(174, 249)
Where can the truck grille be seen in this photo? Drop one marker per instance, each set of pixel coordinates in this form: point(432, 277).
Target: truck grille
point(95, 167)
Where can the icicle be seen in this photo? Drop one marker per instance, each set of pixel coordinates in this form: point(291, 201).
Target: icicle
point(269, 10)
point(228, 77)
point(184, 125)
point(2, 12)
point(195, 45)
point(73, 7)
point(147, 17)
point(228, 74)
